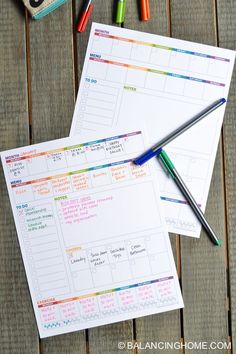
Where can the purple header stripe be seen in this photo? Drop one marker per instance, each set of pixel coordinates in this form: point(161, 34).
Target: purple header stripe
point(173, 200)
point(144, 283)
point(199, 54)
point(195, 79)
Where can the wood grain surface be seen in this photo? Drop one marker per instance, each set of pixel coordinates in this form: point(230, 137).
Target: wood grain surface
point(18, 329)
point(205, 316)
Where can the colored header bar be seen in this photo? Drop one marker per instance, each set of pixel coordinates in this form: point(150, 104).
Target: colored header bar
point(179, 76)
point(14, 158)
point(14, 185)
point(159, 46)
point(127, 287)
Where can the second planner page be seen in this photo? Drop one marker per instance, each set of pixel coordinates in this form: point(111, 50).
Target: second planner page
point(130, 76)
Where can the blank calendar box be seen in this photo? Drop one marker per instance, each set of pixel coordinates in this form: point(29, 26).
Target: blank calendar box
point(179, 60)
point(116, 73)
point(198, 64)
point(193, 89)
point(38, 165)
point(121, 49)
point(82, 280)
point(102, 45)
point(170, 207)
point(140, 52)
point(153, 240)
point(213, 92)
point(175, 85)
point(131, 145)
point(160, 56)
point(140, 267)
point(121, 271)
point(199, 167)
point(218, 68)
point(102, 275)
point(160, 263)
point(94, 72)
point(136, 77)
point(155, 81)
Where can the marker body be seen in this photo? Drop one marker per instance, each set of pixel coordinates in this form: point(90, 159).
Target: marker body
point(146, 156)
point(120, 11)
point(86, 11)
point(144, 10)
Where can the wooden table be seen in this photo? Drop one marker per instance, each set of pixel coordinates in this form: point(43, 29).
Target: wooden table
point(40, 67)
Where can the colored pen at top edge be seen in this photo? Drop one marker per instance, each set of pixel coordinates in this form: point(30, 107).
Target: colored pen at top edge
point(120, 11)
point(144, 10)
point(174, 134)
point(169, 166)
point(86, 11)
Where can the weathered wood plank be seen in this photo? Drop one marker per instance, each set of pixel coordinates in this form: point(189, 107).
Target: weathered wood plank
point(162, 327)
point(71, 343)
point(203, 265)
point(18, 329)
point(52, 99)
point(52, 74)
point(158, 23)
point(102, 13)
point(105, 339)
point(102, 339)
point(227, 35)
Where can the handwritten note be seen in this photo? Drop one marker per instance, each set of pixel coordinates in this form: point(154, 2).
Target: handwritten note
point(93, 240)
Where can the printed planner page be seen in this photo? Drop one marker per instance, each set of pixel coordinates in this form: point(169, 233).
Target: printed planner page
point(130, 76)
point(94, 244)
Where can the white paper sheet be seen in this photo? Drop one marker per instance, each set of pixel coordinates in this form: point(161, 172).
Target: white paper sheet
point(94, 244)
point(130, 76)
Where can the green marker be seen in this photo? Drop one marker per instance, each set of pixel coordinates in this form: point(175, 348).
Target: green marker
point(120, 12)
point(168, 164)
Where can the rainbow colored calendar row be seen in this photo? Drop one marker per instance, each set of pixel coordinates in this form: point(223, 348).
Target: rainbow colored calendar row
point(159, 46)
point(154, 71)
point(66, 174)
point(126, 287)
point(14, 158)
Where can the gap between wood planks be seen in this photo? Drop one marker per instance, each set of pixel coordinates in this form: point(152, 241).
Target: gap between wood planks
point(76, 84)
point(224, 196)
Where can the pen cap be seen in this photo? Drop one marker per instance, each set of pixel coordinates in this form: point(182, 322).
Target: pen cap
point(84, 19)
point(120, 11)
point(123, 10)
point(146, 156)
point(144, 10)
